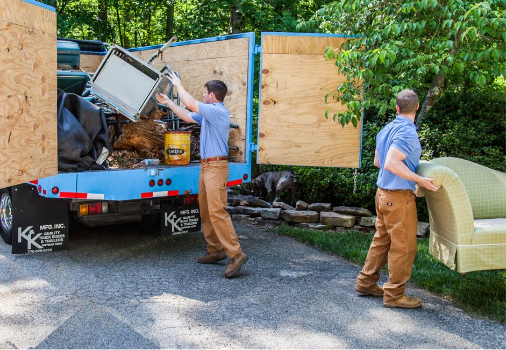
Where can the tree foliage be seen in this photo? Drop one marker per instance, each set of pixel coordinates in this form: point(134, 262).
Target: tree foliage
point(149, 22)
point(424, 45)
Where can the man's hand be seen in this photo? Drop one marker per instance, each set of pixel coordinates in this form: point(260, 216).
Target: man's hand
point(174, 80)
point(427, 183)
point(163, 99)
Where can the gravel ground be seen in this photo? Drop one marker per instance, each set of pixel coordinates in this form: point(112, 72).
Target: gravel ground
point(119, 288)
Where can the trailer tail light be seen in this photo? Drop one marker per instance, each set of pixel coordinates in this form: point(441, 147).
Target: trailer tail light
point(245, 177)
point(168, 182)
point(191, 199)
point(152, 183)
point(93, 208)
point(55, 190)
point(160, 182)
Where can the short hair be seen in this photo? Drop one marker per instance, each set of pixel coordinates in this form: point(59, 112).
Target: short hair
point(218, 88)
point(407, 100)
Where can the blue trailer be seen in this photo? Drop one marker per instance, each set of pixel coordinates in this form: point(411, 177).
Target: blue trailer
point(293, 79)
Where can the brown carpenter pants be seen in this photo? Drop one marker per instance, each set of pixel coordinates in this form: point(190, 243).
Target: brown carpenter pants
point(217, 225)
point(394, 242)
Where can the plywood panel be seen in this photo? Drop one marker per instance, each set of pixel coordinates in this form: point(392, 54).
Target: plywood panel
point(225, 60)
point(293, 127)
point(28, 15)
point(28, 141)
point(90, 63)
point(303, 45)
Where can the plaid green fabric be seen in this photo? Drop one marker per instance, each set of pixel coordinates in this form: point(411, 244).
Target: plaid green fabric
point(485, 187)
point(463, 235)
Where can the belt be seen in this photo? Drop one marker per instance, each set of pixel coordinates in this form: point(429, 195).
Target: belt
point(213, 159)
point(397, 191)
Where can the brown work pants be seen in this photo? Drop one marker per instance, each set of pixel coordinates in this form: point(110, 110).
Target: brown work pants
point(217, 225)
point(394, 242)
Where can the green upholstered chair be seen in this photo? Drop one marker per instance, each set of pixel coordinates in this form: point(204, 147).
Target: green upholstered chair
point(467, 214)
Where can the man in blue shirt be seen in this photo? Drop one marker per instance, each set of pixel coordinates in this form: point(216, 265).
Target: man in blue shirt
point(397, 156)
point(214, 119)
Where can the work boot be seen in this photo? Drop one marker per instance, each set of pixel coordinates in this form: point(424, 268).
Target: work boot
point(375, 291)
point(210, 258)
point(235, 264)
point(404, 302)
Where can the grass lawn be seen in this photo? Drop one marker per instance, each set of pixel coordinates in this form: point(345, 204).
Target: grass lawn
point(482, 293)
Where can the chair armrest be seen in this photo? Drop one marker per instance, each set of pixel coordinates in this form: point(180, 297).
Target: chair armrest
point(451, 215)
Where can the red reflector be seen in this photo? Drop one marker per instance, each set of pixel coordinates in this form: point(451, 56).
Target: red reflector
point(39, 189)
point(168, 182)
point(94, 208)
point(245, 177)
point(55, 190)
point(151, 183)
point(191, 199)
point(160, 182)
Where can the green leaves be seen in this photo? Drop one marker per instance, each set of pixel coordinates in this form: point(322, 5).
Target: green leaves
point(414, 44)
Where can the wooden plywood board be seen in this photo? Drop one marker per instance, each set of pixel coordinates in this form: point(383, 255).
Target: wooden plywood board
point(28, 142)
point(299, 45)
point(90, 63)
point(293, 129)
point(225, 60)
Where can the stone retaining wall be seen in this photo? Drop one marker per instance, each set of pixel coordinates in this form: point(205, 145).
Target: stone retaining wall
point(315, 216)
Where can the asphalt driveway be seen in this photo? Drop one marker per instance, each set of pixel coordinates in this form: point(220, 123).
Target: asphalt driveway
point(118, 288)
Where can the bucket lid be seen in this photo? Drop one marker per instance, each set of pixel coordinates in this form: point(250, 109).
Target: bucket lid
point(178, 132)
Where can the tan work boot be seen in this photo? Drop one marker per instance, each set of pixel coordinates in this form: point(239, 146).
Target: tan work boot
point(210, 258)
point(375, 291)
point(235, 264)
point(404, 302)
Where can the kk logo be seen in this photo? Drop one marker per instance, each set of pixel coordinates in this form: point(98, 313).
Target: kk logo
point(173, 220)
point(29, 237)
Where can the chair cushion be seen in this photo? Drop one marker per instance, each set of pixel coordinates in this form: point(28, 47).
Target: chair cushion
point(489, 231)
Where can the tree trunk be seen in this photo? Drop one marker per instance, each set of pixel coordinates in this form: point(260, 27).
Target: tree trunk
point(118, 18)
point(432, 95)
point(437, 86)
point(144, 136)
point(102, 16)
point(169, 24)
point(236, 20)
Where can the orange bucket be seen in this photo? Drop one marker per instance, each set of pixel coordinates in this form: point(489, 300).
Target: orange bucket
point(177, 147)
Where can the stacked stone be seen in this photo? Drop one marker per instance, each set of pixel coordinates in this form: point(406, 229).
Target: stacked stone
point(317, 216)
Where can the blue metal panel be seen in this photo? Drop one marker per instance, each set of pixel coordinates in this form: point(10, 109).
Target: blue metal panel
point(47, 7)
point(198, 41)
point(132, 184)
point(66, 183)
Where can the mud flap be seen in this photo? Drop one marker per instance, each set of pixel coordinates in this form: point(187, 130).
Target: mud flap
point(39, 224)
point(178, 220)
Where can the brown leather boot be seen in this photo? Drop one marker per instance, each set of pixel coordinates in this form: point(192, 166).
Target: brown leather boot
point(375, 291)
point(210, 258)
point(404, 302)
point(235, 264)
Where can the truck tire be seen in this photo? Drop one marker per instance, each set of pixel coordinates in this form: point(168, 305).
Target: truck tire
point(6, 215)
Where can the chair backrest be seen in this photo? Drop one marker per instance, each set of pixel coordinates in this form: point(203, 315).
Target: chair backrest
point(486, 188)
point(451, 215)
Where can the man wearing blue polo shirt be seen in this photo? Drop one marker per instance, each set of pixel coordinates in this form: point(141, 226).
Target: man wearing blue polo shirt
point(214, 119)
point(397, 156)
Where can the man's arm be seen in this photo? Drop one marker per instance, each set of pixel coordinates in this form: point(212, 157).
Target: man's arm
point(394, 164)
point(188, 100)
point(181, 112)
point(376, 159)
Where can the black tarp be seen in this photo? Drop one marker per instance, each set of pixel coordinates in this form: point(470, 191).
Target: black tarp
point(82, 134)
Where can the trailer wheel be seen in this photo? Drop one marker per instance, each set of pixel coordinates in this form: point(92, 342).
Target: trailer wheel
point(6, 215)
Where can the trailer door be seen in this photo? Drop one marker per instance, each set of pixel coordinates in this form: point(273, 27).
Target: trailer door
point(292, 128)
point(28, 125)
